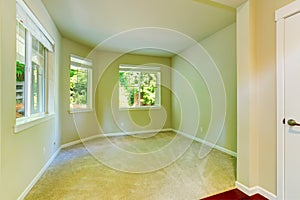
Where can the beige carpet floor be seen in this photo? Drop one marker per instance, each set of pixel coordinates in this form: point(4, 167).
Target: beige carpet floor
point(78, 174)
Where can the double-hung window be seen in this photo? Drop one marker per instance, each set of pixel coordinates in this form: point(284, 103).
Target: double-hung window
point(139, 86)
point(80, 84)
point(32, 45)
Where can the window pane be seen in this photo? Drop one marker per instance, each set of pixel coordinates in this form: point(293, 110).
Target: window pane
point(79, 87)
point(129, 89)
point(129, 96)
point(132, 79)
point(37, 77)
point(20, 43)
point(20, 71)
point(148, 88)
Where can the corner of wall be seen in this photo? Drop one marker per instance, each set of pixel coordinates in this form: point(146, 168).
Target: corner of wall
point(247, 159)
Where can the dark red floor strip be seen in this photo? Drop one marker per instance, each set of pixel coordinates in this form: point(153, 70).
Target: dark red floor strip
point(234, 194)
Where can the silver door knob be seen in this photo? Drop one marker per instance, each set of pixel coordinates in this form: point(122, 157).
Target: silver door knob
point(292, 122)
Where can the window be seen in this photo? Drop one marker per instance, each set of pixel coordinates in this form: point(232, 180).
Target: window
point(32, 45)
point(80, 84)
point(139, 86)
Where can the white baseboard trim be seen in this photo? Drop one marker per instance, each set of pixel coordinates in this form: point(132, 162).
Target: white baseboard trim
point(249, 191)
point(267, 194)
point(234, 154)
point(80, 141)
point(70, 144)
point(38, 176)
point(255, 190)
point(114, 135)
point(136, 132)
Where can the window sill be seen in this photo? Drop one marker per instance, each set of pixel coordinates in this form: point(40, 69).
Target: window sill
point(80, 111)
point(142, 108)
point(24, 124)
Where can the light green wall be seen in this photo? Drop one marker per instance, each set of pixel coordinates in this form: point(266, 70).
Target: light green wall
point(183, 75)
point(1, 29)
point(121, 119)
point(222, 48)
point(24, 154)
point(69, 132)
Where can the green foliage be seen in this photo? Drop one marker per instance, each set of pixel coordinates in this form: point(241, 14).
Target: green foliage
point(148, 85)
point(78, 86)
point(122, 79)
point(20, 69)
point(133, 92)
point(148, 94)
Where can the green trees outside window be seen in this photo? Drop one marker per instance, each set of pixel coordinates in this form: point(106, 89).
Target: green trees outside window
point(78, 87)
point(20, 67)
point(20, 77)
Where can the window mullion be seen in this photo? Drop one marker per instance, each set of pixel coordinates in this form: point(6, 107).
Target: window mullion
point(28, 74)
point(90, 88)
point(41, 88)
point(42, 85)
point(139, 99)
point(158, 88)
point(45, 84)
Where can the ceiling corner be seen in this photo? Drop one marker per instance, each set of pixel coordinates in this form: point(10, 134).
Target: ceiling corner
point(230, 3)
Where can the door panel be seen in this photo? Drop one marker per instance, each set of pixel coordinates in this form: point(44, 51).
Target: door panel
point(292, 107)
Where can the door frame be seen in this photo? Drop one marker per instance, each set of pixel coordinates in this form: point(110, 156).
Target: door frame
point(280, 16)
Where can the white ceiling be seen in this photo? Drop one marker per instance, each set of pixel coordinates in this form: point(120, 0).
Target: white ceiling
point(90, 22)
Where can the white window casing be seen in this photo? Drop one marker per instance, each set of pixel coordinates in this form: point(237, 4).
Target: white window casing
point(145, 69)
point(84, 64)
point(33, 29)
point(32, 24)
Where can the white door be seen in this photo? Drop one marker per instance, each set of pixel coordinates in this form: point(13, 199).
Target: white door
point(292, 107)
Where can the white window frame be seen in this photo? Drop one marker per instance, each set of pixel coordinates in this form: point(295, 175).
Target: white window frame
point(34, 29)
point(149, 69)
point(28, 82)
point(83, 63)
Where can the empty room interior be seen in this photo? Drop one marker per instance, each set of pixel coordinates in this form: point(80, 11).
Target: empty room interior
point(137, 99)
